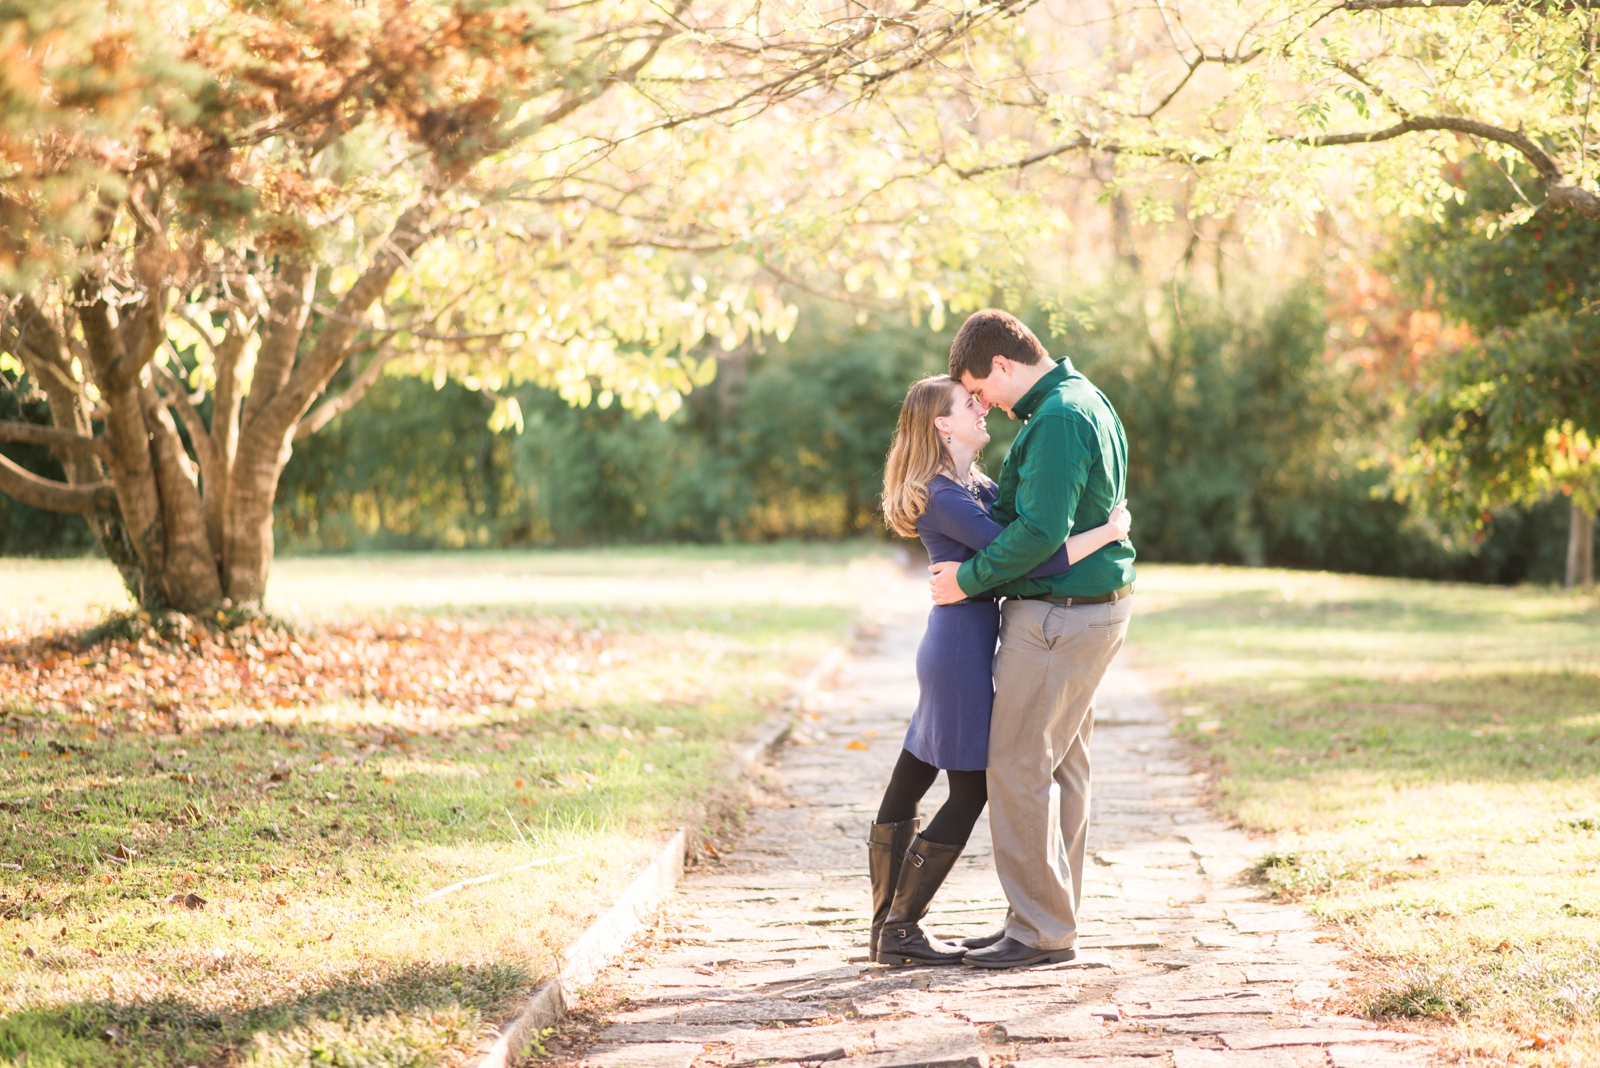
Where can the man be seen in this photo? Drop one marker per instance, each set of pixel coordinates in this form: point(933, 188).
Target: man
point(1065, 472)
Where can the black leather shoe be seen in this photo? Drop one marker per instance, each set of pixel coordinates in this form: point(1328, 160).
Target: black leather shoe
point(985, 941)
point(1009, 953)
point(886, 848)
point(902, 940)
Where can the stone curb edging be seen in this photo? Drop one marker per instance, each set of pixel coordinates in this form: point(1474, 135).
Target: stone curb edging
point(618, 925)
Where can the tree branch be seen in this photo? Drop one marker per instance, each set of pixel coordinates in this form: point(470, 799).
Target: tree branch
point(145, 336)
point(33, 434)
point(333, 407)
point(43, 351)
point(1040, 156)
point(332, 348)
point(225, 398)
point(182, 312)
point(280, 333)
point(177, 396)
point(1397, 5)
point(52, 496)
point(1558, 192)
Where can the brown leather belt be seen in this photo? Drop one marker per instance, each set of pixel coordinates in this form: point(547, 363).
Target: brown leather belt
point(1099, 598)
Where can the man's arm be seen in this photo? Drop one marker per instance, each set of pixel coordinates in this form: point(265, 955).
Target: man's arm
point(1051, 480)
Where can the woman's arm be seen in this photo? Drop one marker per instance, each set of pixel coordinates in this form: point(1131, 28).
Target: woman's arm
point(953, 513)
point(1113, 530)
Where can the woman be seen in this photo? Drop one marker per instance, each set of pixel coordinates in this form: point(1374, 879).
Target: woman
point(931, 489)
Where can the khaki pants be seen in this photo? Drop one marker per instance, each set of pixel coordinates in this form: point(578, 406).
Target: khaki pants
point(1049, 664)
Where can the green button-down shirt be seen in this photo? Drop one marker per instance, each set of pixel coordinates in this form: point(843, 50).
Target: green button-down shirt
point(1065, 472)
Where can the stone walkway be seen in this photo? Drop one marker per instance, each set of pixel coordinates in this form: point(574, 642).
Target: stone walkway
point(762, 960)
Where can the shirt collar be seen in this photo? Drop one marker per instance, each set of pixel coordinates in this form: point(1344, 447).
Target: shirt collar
point(1031, 400)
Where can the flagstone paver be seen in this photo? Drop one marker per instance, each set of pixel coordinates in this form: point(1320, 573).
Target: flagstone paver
point(763, 960)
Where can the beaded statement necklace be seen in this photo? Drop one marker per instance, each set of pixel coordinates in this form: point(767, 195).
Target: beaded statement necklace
point(974, 488)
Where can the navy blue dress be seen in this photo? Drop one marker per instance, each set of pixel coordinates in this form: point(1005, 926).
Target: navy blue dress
point(955, 660)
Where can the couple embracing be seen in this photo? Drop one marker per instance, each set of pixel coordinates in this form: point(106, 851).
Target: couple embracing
point(1031, 584)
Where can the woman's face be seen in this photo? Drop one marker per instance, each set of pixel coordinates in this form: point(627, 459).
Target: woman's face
point(964, 424)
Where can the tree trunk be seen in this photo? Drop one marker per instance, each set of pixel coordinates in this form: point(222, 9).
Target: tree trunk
point(187, 528)
point(1580, 548)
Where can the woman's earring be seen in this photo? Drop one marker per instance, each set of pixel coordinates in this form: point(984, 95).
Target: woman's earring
point(948, 439)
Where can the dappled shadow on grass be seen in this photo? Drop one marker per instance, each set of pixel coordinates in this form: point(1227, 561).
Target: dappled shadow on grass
point(447, 1005)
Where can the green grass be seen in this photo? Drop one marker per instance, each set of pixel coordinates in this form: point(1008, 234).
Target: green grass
point(315, 832)
point(1429, 755)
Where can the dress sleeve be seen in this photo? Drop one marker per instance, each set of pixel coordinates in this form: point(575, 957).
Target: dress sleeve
point(953, 513)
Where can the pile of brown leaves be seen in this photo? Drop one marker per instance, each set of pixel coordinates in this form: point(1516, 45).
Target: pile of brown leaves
point(201, 674)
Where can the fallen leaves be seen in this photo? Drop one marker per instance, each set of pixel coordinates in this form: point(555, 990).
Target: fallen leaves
point(121, 856)
point(418, 664)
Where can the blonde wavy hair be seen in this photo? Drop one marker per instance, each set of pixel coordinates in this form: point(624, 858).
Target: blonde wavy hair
point(918, 454)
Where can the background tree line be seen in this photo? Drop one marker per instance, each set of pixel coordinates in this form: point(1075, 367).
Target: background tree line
point(500, 196)
point(1257, 443)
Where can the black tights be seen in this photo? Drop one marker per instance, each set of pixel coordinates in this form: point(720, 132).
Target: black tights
point(953, 823)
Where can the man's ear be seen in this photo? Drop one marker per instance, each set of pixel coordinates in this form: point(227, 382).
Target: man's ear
point(1000, 365)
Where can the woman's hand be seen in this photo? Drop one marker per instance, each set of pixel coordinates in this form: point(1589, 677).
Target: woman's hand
point(1120, 520)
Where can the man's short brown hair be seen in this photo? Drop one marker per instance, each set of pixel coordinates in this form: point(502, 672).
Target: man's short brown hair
point(987, 334)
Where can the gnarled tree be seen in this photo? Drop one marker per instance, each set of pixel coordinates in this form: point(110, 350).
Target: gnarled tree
point(209, 210)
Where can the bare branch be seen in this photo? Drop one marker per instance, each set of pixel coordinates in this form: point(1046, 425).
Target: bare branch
point(333, 407)
point(1558, 192)
point(1040, 156)
point(42, 349)
point(1084, 143)
point(280, 334)
point(225, 397)
point(332, 348)
point(1397, 5)
point(1356, 74)
point(140, 344)
point(52, 496)
point(182, 312)
point(33, 434)
point(176, 395)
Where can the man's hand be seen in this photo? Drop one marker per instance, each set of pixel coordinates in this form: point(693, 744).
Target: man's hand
point(1120, 520)
point(943, 585)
